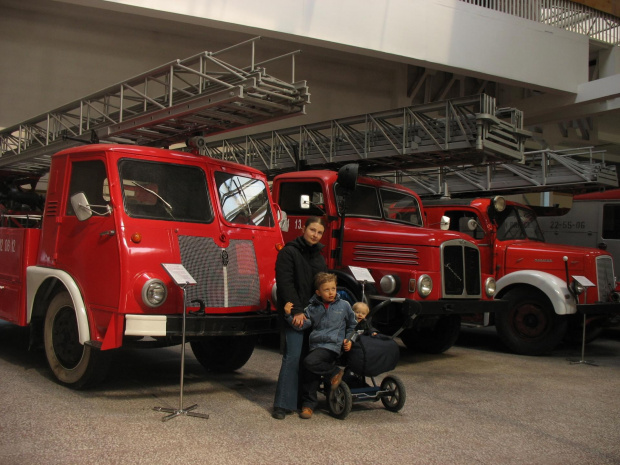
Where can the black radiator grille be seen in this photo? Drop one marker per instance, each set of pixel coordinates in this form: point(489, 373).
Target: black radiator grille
point(460, 269)
point(225, 277)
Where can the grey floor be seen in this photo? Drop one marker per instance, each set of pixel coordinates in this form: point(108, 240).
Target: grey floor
point(475, 404)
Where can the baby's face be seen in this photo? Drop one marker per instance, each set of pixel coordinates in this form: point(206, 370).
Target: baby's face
point(360, 314)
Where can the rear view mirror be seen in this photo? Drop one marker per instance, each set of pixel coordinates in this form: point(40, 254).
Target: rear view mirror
point(444, 224)
point(83, 210)
point(80, 206)
point(305, 202)
point(472, 224)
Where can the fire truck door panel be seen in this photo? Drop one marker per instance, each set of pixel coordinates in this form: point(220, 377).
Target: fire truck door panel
point(88, 250)
point(290, 202)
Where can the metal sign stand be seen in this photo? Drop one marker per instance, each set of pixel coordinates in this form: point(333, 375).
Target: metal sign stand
point(183, 279)
point(586, 283)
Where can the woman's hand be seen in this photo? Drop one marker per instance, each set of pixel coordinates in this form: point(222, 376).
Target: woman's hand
point(298, 320)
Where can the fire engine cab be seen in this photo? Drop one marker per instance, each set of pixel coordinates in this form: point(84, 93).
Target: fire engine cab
point(543, 283)
point(86, 272)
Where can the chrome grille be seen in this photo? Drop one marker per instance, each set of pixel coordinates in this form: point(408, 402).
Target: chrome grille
point(225, 277)
point(460, 263)
point(605, 279)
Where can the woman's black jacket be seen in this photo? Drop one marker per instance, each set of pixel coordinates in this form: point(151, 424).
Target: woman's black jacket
point(296, 266)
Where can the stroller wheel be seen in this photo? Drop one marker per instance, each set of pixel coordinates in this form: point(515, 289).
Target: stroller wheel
point(340, 401)
point(395, 399)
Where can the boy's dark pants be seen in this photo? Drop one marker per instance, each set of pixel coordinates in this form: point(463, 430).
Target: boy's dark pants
point(318, 363)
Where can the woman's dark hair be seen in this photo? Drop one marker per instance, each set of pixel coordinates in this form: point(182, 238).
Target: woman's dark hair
point(314, 219)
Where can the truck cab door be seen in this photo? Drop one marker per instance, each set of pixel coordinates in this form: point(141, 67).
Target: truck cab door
point(88, 250)
point(289, 199)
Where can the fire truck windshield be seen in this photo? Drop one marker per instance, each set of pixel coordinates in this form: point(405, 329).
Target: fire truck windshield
point(244, 200)
point(518, 223)
point(160, 191)
point(392, 205)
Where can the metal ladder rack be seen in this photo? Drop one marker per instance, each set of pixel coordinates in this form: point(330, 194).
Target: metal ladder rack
point(201, 94)
point(542, 170)
point(455, 131)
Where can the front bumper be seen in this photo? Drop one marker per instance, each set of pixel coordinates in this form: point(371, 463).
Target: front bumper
point(200, 325)
point(601, 308)
point(442, 307)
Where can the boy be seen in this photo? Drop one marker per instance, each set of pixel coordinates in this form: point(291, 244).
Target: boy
point(333, 323)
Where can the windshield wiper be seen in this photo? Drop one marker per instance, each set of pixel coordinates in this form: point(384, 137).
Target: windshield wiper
point(167, 206)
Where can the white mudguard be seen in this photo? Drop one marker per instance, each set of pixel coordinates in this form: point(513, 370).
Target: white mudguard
point(36, 275)
point(553, 287)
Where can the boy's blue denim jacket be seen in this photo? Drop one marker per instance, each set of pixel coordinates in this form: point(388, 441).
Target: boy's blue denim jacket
point(330, 326)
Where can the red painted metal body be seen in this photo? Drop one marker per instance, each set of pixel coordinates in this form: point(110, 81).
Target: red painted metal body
point(110, 257)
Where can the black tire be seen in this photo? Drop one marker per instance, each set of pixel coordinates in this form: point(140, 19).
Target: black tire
point(530, 326)
point(397, 399)
point(340, 401)
point(74, 365)
point(223, 354)
point(433, 335)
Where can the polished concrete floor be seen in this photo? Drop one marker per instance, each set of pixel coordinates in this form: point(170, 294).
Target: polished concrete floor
point(475, 404)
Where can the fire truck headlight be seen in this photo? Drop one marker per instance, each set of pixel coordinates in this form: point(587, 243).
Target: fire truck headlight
point(577, 287)
point(490, 287)
point(425, 285)
point(154, 293)
point(389, 284)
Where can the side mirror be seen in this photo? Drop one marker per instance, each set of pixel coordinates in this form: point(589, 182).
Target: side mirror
point(83, 210)
point(305, 202)
point(80, 206)
point(444, 224)
point(282, 218)
point(347, 176)
point(472, 224)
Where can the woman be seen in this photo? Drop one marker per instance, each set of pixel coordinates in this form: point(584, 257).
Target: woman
point(296, 266)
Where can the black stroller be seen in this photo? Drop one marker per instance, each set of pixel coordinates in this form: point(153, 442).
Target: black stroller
point(369, 357)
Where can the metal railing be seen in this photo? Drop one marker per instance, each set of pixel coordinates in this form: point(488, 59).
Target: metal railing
point(201, 94)
point(564, 14)
point(460, 130)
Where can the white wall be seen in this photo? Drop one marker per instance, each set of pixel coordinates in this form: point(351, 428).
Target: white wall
point(54, 53)
point(440, 33)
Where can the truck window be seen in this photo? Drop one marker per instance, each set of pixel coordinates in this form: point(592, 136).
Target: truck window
point(244, 200)
point(611, 221)
point(160, 191)
point(290, 198)
point(91, 178)
point(364, 201)
point(400, 206)
point(459, 221)
point(518, 223)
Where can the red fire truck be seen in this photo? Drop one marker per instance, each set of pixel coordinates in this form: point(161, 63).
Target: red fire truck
point(431, 276)
point(549, 287)
point(85, 273)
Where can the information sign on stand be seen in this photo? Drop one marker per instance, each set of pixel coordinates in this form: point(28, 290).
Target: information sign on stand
point(182, 278)
point(586, 283)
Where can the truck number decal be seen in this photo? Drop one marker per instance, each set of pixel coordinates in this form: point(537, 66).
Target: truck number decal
point(297, 224)
point(7, 245)
point(568, 225)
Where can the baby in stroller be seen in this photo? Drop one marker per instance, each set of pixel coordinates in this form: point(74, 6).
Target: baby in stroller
point(371, 354)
